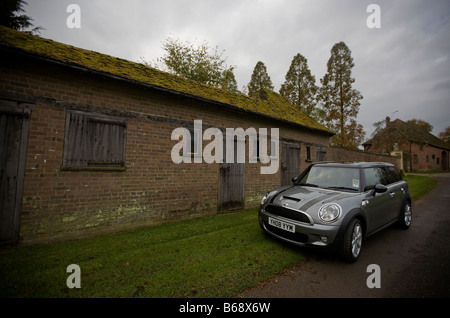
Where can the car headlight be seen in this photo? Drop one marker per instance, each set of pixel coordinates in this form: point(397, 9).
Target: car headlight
point(267, 196)
point(330, 212)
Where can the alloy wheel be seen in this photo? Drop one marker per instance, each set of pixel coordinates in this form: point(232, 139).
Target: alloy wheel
point(356, 240)
point(408, 215)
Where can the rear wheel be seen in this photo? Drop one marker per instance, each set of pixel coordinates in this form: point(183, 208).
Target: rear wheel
point(406, 216)
point(351, 247)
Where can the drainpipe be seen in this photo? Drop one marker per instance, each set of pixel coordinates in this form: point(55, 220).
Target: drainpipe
point(410, 156)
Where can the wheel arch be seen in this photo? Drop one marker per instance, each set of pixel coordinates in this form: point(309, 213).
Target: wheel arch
point(352, 214)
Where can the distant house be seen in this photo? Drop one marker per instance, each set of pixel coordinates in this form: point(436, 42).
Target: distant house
point(419, 150)
point(86, 143)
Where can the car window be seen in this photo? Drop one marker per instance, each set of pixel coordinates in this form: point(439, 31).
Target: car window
point(332, 177)
point(395, 173)
point(373, 177)
point(390, 175)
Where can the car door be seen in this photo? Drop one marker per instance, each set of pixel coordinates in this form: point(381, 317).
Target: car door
point(377, 205)
point(395, 191)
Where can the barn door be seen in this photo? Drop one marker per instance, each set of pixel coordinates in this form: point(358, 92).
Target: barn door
point(290, 162)
point(14, 123)
point(231, 184)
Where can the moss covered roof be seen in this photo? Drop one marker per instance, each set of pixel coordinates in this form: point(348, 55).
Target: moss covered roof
point(272, 104)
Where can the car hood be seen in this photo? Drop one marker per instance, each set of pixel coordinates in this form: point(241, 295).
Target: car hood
point(303, 198)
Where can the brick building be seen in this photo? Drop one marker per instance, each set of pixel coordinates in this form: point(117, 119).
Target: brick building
point(419, 149)
point(86, 143)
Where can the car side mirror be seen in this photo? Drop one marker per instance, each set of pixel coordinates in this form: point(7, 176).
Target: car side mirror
point(294, 179)
point(379, 188)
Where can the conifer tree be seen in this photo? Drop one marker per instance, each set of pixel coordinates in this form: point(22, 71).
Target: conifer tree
point(260, 79)
point(229, 82)
point(340, 102)
point(300, 87)
point(10, 17)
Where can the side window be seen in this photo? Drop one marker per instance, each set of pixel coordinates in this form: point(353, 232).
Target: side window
point(391, 175)
point(373, 177)
point(308, 153)
point(395, 172)
point(94, 140)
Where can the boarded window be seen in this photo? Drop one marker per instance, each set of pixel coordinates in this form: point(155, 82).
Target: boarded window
point(321, 155)
point(94, 140)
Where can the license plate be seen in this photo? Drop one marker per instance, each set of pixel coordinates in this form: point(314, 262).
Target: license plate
point(282, 225)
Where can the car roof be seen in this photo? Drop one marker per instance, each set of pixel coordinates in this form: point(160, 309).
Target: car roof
point(358, 164)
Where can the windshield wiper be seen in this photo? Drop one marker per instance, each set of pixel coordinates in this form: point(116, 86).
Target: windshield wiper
point(343, 188)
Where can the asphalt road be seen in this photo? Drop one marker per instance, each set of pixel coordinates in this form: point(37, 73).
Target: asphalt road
point(412, 263)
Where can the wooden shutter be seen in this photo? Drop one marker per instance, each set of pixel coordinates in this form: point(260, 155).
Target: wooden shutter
point(94, 140)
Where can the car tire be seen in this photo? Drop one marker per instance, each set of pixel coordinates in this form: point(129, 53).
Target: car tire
point(405, 219)
point(351, 246)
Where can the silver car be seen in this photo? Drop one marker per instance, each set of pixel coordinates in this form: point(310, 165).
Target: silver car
point(337, 205)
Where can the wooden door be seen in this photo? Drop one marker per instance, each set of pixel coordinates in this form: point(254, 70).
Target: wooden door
point(231, 185)
point(290, 162)
point(14, 123)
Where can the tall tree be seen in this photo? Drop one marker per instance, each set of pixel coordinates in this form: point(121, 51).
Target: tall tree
point(260, 79)
point(10, 16)
point(299, 87)
point(229, 82)
point(339, 100)
point(445, 135)
point(197, 62)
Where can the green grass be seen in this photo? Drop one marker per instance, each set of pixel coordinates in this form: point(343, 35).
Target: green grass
point(430, 171)
point(216, 256)
point(419, 185)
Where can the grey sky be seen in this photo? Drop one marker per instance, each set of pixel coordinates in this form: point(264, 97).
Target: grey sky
point(402, 69)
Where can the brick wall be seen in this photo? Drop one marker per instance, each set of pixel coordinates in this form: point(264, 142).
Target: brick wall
point(61, 204)
point(426, 157)
point(346, 154)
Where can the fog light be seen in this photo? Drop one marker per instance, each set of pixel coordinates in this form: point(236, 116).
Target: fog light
point(324, 239)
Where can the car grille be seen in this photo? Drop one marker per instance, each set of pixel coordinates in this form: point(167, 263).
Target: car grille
point(296, 237)
point(288, 213)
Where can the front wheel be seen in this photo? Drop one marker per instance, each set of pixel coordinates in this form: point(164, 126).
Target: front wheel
point(351, 247)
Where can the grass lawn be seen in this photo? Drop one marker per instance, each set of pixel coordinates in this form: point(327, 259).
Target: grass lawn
point(216, 256)
point(419, 185)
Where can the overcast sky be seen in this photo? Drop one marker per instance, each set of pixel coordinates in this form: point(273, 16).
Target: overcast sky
point(402, 68)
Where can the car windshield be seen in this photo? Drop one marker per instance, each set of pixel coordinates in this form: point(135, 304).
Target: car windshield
point(337, 178)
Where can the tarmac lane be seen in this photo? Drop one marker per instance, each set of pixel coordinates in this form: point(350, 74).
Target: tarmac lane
point(394, 263)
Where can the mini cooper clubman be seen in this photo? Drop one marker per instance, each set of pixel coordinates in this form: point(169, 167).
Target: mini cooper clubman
point(337, 205)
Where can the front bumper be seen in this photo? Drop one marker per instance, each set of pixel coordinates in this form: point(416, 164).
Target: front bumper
point(305, 234)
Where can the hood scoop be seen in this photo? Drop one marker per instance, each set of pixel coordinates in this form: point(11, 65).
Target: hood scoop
point(285, 197)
